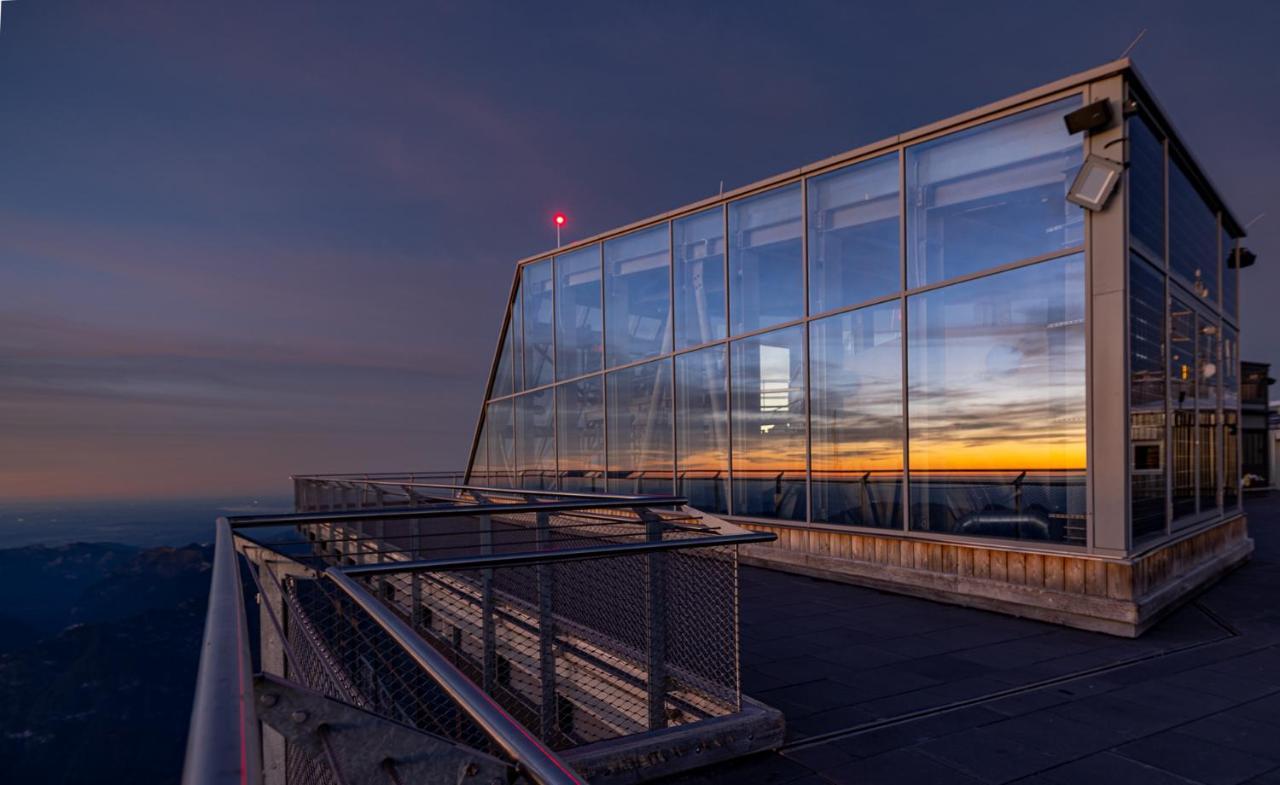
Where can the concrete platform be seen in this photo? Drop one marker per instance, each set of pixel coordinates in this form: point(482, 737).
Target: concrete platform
point(879, 687)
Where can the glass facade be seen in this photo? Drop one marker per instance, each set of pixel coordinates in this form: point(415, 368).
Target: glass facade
point(637, 289)
point(992, 195)
point(700, 300)
point(996, 403)
point(855, 372)
point(579, 327)
point(896, 344)
point(1183, 350)
point(854, 244)
point(766, 260)
point(1146, 399)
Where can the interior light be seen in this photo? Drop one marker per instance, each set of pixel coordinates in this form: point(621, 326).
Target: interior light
point(1095, 182)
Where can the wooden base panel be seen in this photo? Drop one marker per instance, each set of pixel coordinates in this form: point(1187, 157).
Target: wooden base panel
point(1121, 597)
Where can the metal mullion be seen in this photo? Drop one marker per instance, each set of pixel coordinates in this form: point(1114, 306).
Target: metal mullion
point(903, 251)
point(728, 363)
point(804, 350)
point(1168, 349)
point(671, 335)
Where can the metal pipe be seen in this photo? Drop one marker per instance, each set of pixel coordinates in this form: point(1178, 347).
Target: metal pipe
point(454, 510)
point(563, 554)
point(223, 746)
point(541, 764)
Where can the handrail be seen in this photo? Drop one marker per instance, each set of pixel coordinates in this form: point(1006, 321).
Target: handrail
point(541, 764)
point(559, 555)
point(223, 744)
point(453, 511)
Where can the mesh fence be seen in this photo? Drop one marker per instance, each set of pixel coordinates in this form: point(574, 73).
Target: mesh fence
point(576, 651)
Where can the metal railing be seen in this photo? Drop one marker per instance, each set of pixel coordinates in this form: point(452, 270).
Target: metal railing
point(501, 628)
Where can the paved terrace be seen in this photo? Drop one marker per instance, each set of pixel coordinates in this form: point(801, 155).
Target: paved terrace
point(879, 688)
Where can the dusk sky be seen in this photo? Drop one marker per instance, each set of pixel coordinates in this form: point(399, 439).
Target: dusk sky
point(240, 240)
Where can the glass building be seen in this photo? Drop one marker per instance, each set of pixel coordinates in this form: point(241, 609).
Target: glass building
point(914, 361)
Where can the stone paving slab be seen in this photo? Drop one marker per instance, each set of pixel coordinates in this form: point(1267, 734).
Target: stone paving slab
point(885, 688)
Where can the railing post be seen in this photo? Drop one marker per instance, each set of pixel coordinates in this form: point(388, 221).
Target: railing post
point(546, 632)
point(488, 635)
point(656, 624)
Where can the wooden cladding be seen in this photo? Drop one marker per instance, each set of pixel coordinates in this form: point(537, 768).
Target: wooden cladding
point(1126, 580)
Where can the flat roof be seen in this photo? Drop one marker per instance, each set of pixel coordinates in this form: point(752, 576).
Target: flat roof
point(1123, 66)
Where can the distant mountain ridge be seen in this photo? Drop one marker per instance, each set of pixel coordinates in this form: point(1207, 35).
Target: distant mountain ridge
point(98, 659)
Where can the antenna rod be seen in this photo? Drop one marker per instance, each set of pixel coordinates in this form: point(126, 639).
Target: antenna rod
point(1130, 47)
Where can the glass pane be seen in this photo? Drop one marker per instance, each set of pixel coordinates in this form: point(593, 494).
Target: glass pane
point(637, 288)
point(1230, 295)
point(539, 368)
point(853, 235)
point(507, 378)
point(1146, 398)
point(699, 259)
point(500, 427)
point(1207, 381)
point(1182, 406)
point(769, 425)
point(766, 268)
point(578, 324)
point(640, 451)
point(1231, 418)
point(702, 428)
point(996, 385)
point(478, 471)
point(1146, 190)
point(992, 195)
point(855, 373)
point(580, 425)
point(536, 440)
point(1193, 236)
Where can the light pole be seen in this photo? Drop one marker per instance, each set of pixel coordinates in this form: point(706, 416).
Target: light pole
point(559, 220)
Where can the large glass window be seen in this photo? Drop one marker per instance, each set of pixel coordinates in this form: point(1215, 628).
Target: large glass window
point(1193, 236)
point(766, 260)
point(579, 328)
point(1146, 398)
point(1146, 190)
point(768, 416)
point(508, 378)
point(996, 404)
point(702, 428)
point(580, 434)
point(500, 428)
point(1182, 406)
point(637, 288)
point(854, 235)
point(640, 446)
point(536, 439)
point(1230, 419)
point(855, 373)
point(992, 195)
point(539, 365)
point(1230, 294)
point(699, 273)
point(1207, 381)
point(478, 472)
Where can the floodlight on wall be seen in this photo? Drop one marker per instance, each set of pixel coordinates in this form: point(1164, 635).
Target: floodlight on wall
point(1092, 118)
point(1095, 182)
point(1242, 258)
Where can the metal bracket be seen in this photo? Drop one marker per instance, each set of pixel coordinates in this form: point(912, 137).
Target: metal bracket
point(365, 748)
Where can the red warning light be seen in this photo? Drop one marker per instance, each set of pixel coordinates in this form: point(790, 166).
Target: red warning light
point(559, 219)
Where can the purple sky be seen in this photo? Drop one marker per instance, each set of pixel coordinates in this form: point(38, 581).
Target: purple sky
point(240, 240)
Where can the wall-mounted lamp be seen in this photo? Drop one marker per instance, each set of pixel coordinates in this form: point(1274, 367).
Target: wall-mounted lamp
point(1095, 182)
point(1092, 118)
point(1242, 258)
